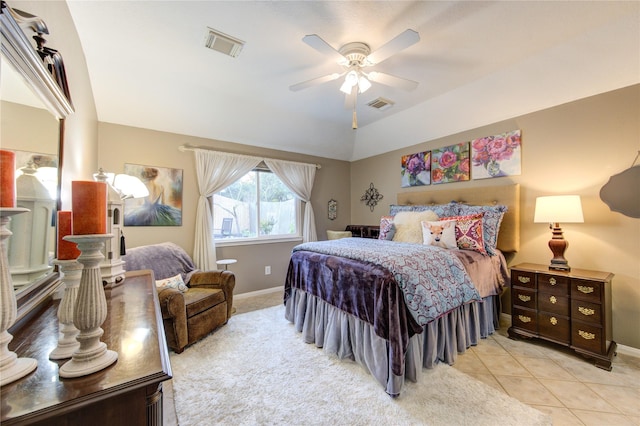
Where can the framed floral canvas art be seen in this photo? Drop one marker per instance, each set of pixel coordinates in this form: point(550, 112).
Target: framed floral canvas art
point(450, 163)
point(416, 169)
point(496, 156)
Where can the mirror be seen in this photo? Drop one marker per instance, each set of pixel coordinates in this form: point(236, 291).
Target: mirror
point(34, 101)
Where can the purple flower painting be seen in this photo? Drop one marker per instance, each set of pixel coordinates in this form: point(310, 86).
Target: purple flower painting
point(416, 169)
point(450, 163)
point(496, 156)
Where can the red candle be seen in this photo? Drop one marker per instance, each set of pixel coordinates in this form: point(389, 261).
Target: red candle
point(89, 206)
point(7, 179)
point(66, 249)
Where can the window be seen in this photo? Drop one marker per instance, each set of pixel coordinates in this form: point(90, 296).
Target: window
point(258, 206)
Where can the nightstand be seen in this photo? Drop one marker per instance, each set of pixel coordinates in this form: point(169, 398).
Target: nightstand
point(572, 309)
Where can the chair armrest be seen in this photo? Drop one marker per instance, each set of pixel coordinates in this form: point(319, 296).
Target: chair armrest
point(173, 308)
point(223, 280)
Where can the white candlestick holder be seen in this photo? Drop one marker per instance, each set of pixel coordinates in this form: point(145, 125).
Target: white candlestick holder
point(12, 368)
point(71, 271)
point(90, 311)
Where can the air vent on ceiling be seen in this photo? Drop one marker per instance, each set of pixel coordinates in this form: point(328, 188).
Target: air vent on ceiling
point(381, 104)
point(223, 43)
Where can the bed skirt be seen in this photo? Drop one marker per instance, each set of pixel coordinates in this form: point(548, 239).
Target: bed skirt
point(345, 336)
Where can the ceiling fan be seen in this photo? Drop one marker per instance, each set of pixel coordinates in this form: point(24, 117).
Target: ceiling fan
point(355, 58)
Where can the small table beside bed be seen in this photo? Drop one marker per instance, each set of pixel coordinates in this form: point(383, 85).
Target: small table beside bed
point(397, 304)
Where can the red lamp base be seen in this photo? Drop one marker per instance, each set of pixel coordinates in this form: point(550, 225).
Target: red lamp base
point(558, 245)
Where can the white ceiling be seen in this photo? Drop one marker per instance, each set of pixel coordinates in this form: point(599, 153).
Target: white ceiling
point(477, 62)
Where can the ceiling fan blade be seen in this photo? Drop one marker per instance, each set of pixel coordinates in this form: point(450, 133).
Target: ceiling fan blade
point(392, 80)
point(400, 42)
point(314, 82)
point(323, 47)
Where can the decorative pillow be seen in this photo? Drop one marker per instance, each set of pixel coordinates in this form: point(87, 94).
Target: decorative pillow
point(387, 230)
point(440, 209)
point(408, 227)
point(172, 282)
point(491, 220)
point(336, 235)
point(469, 232)
point(440, 233)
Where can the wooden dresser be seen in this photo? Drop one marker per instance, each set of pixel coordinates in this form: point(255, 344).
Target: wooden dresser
point(569, 308)
point(127, 392)
point(364, 231)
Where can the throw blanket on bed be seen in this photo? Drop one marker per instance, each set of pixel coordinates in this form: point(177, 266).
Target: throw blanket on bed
point(433, 280)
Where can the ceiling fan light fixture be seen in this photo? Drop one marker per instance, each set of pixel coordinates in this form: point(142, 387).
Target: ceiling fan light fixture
point(349, 81)
point(363, 84)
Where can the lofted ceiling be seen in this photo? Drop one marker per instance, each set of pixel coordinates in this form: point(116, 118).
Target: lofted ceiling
point(477, 62)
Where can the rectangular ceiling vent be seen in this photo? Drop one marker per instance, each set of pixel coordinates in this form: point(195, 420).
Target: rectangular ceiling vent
point(381, 104)
point(223, 43)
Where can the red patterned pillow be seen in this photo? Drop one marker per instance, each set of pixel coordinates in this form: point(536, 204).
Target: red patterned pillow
point(386, 228)
point(469, 232)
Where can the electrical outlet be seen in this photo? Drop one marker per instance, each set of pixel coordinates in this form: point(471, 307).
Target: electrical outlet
point(267, 270)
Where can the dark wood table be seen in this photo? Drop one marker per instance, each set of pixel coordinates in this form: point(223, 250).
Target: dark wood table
point(127, 392)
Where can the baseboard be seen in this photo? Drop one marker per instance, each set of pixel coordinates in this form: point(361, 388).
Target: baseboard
point(625, 350)
point(259, 292)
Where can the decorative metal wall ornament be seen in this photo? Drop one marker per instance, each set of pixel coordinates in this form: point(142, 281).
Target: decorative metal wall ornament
point(371, 197)
point(332, 209)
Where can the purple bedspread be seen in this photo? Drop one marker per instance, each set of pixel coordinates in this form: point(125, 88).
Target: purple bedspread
point(395, 287)
point(433, 280)
point(364, 290)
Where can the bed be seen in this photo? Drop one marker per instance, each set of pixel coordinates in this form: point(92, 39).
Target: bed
point(398, 307)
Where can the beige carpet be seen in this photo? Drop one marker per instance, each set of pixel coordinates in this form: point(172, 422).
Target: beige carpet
point(256, 370)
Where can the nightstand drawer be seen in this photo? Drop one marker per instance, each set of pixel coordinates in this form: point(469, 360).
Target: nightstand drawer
point(553, 303)
point(586, 311)
point(591, 291)
point(588, 337)
point(554, 327)
point(553, 284)
point(524, 297)
point(525, 319)
point(523, 279)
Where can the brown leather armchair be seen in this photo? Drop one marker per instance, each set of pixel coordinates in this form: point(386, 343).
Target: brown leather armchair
point(191, 315)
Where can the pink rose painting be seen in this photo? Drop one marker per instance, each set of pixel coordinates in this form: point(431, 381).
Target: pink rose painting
point(496, 156)
point(450, 163)
point(416, 169)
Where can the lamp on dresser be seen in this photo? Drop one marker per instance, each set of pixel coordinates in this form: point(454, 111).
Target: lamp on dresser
point(553, 210)
point(119, 188)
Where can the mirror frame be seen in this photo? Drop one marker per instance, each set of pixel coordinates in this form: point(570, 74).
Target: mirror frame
point(47, 83)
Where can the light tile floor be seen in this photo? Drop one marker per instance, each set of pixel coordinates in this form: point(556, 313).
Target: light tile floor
point(547, 377)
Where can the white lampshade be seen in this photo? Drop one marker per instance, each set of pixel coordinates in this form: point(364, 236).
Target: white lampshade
point(130, 186)
point(558, 208)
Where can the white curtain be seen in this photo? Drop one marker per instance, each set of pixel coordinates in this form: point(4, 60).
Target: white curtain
point(215, 171)
point(299, 178)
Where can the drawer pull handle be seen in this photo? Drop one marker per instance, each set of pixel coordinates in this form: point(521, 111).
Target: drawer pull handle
point(586, 336)
point(524, 318)
point(552, 281)
point(524, 280)
point(524, 298)
point(586, 311)
point(584, 289)
point(553, 300)
point(553, 321)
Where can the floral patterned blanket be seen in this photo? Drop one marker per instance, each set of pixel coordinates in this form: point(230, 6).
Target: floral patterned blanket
point(433, 280)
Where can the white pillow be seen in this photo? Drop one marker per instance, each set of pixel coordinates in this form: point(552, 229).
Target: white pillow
point(440, 233)
point(407, 225)
point(172, 282)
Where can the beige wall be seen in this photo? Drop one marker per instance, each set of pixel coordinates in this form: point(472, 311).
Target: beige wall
point(122, 144)
point(569, 149)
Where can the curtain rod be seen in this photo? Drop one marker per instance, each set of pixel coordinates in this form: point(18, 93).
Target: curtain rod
point(188, 147)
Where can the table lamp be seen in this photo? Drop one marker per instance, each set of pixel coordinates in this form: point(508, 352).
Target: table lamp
point(553, 210)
